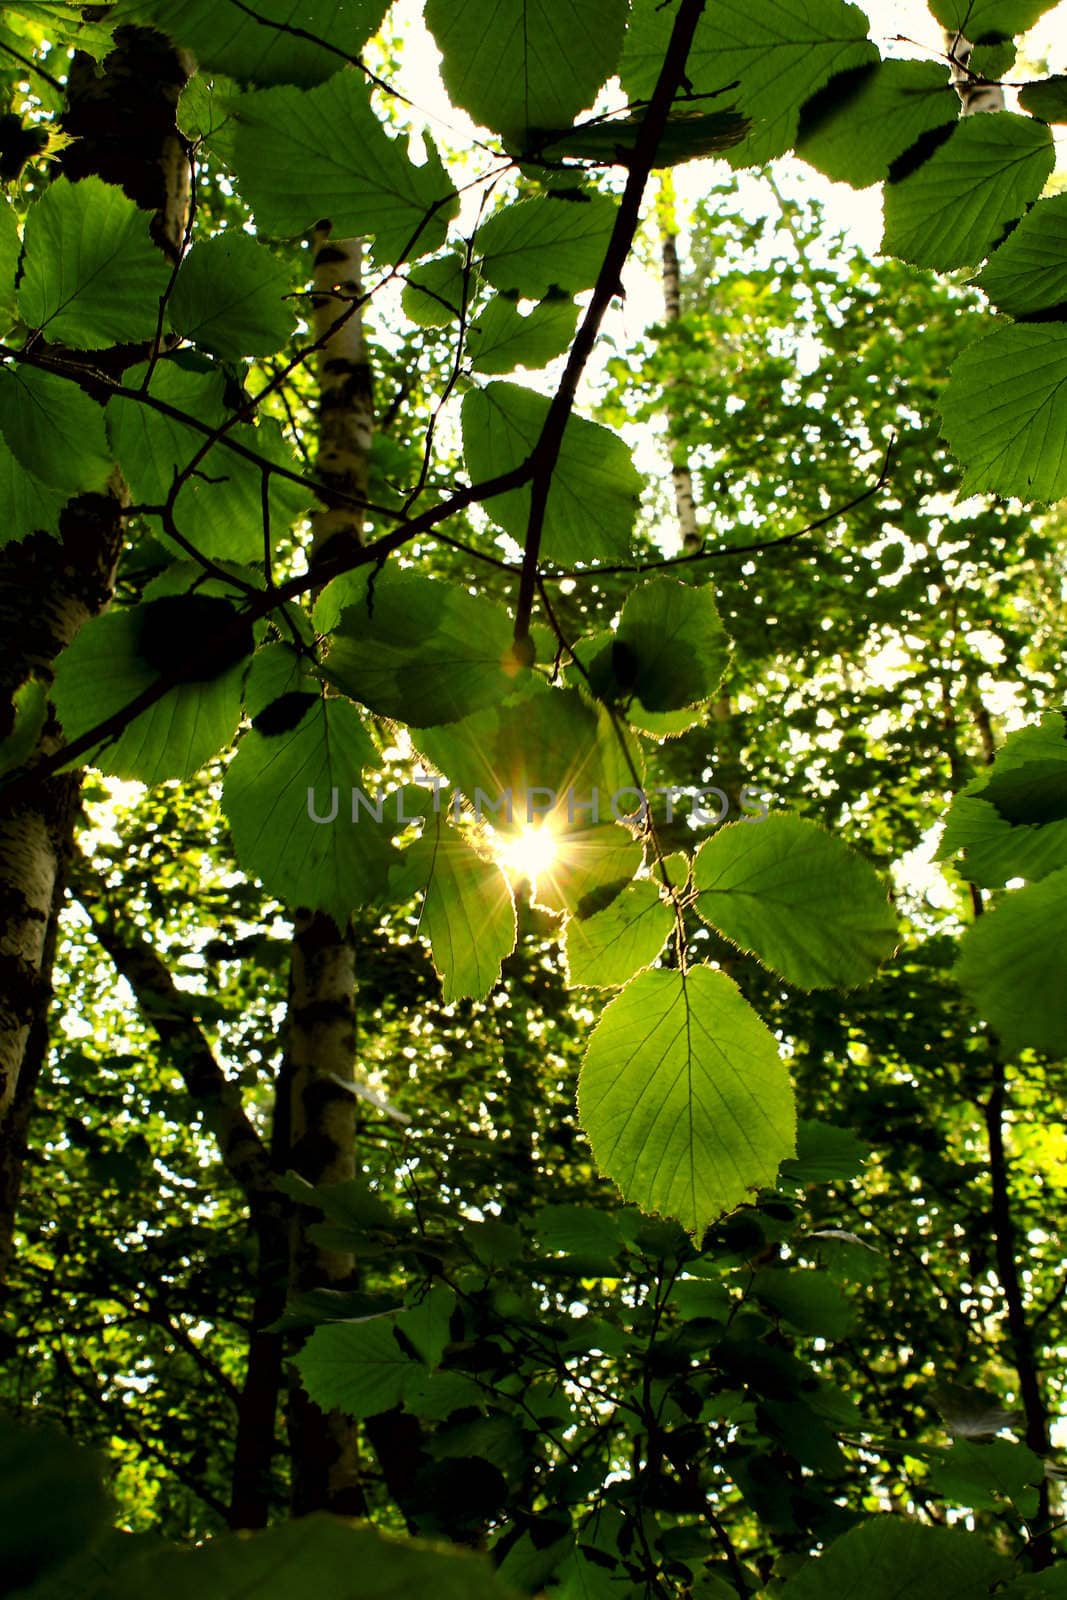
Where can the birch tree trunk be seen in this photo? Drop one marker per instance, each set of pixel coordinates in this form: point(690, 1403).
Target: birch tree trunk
point(976, 96)
point(684, 498)
point(126, 133)
point(321, 1040)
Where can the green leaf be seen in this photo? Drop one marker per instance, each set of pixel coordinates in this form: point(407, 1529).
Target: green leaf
point(436, 291)
point(592, 502)
point(468, 913)
point(1004, 412)
point(608, 948)
point(361, 1367)
point(804, 903)
point(308, 42)
point(54, 1502)
point(1029, 271)
point(764, 63)
point(502, 338)
point(219, 508)
point(892, 1558)
point(808, 1299)
point(205, 115)
point(277, 782)
point(983, 1476)
point(423, 651)
point(114, 658)
point(684, 1098)
point(578, 1230)
point(690, 135)
point(526, 64)
point(54, 430)
point(1046, 99)
point(10, 246)
point(825, 1154)
point(305, 155)
point(1013, 966)
point(329, 1553)
point(91, 275)
point(29, 505)
point(549, 243)
point(995, 850)
point(856, 127)
point(951, 210)
point(989, 19)
point(228, 297)
point(29, 704)
point(674, 647)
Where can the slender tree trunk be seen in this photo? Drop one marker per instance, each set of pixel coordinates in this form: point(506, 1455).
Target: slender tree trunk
point(321, 1062)
point(125, 132)
point(684, 498)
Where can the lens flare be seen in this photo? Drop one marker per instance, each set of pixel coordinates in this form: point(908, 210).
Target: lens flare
point(529, 853)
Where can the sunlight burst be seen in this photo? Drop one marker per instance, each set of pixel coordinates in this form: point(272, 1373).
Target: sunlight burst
point(528, 853)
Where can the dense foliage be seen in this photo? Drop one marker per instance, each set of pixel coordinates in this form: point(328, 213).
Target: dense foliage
point(488, 1061)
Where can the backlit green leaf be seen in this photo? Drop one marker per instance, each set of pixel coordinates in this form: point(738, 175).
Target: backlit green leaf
point(684, 1097)
point(985, 19)
point(276, 787)
point(228, 297)
point(502, 338)
point(764, 62)
point(892, 1558)
point(550, 242)
point(1004, 411)
point(306, 155)
point(952, 209)
point(609, 947)
point(10, 245)
point(521, 65)
point(1013, 966)
point(595, 488)
point(54, 430)
point(1029, 271)
point(91, 275)
point(857, 126)
point(802, 901)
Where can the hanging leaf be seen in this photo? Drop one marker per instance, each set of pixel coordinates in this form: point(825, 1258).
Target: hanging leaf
point(325, 1550)
point(1004, 412)
point(690, 135)
point(685, 1100)
point(1029, 271)
point(608, 948)
point(855, 128)
point(502, 338)
point(803, 902)
point(983, 1476)
point(670, 649)
point(288, 797)
point(892, 1558)
point(952, 210)
point(91, 275)
point(526, 64)
point(219, 508)
point(765, 62)
point(305, 155)
point(436, 291)
point(362, 1367)
point(593, 500)
point(549, 243)
point(54, 431)
point(228, 297)
point(997, 850)
point(1046, 99)
point(424, 651)
point(1013, 966)
point(10, 247)
point(468, 914)
point(989, 19)
point(118, 655)
point(280, 41)
point(29, 505)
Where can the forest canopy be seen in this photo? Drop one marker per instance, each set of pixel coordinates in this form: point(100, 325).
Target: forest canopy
point(533, 800)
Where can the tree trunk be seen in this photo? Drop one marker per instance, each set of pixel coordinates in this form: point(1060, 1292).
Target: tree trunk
point(975, 95)
point(684, 498)
point(321, 1063)
point(125, 132)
